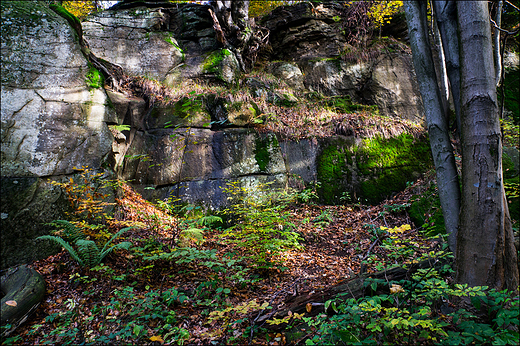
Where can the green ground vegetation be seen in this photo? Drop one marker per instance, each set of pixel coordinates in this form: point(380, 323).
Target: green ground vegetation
point(200, 284)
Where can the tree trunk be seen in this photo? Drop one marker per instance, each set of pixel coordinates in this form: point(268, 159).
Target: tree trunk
point(233, 17)
point(446, 18)
point(498, 56)
point(443, 158)
point(485, 250)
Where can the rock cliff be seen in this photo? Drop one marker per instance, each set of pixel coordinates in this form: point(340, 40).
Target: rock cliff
point(353, 127)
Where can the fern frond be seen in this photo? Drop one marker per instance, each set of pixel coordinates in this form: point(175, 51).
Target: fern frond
point(114, 237)
point(89, 252)
point(210, 221)
point(65, 245)
point(124, 245)
point(72, 233)
point(191, 234)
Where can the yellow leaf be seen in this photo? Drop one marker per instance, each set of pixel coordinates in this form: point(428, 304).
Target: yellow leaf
point(11, 303)
point(157, 338)
point(396, 289)
point(308, 307)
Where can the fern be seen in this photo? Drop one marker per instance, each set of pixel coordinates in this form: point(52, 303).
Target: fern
point(72, 233)
point(65, 245)
point(124, 245)
point(210, 221)
point(89, 252)
point(191, 234)
point(115, 236)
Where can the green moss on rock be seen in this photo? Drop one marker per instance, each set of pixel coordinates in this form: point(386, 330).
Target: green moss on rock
point(213, 60)
point(263, 146)
point(380, 166)
point(94, 78)
point(390, 163)
point(332, 171)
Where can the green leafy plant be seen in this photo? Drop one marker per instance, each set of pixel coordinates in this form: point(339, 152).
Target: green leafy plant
point(415, 312)
point(261, 227)
point(84, 251)
point(87, 195)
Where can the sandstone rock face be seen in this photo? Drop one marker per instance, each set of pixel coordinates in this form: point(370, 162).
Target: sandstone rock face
point(304, 31)
point(51, 121)
point(290, 73)
point(309, 35)
point(388, 82)
point(135, 39)
point(54, 115)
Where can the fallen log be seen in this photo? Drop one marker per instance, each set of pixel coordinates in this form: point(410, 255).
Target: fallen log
point(351, 288)
point(22, 289)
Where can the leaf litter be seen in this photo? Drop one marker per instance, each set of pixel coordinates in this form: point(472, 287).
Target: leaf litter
point(337, 241)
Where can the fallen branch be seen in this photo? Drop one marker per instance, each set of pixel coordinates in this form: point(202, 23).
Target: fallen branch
point(351, 288)
point(23, 289)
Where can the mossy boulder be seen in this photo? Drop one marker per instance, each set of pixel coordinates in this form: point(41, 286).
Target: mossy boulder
point(388, 164)
point(187, 112)
point(223, 65)
point(372, 169)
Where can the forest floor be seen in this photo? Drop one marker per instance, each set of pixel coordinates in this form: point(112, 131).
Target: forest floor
point(121, 300)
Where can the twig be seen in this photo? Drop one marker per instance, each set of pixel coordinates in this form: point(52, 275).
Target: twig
point(370, 249)
point(503, 30)
point(271, 314)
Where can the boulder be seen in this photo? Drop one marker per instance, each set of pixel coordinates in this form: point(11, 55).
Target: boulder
point(289, 73)
point(305, 31)
point(53, 118)
point(135, 39)
point(388, 82)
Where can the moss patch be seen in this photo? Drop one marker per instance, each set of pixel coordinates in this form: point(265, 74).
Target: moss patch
point(94, 78)
point(262, 152)
point(373, 170)
point(332, 171)
point(213, 60)
point(390, 163)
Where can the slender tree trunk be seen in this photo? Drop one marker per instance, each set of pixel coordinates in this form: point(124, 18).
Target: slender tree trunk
point(446, 18)
point(443, 75)
point(498, 56)
point(443, 158)
point(485, 251)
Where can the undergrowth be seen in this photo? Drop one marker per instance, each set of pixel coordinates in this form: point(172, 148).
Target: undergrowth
point(188, 277)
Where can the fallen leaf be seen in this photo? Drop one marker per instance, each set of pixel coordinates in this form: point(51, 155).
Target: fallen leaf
point(157, 338)
point(308, 307)
point(11, 303)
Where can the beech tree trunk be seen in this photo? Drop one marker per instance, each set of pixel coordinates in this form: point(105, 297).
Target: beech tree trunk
point(446, 18)
point(443, 157)
point(485, 250)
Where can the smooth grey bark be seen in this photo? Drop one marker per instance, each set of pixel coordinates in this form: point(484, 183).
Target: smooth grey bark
point(446, 19)
point(443, 75)
point(443, 157)
point(485, 250)
point(498, 56)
